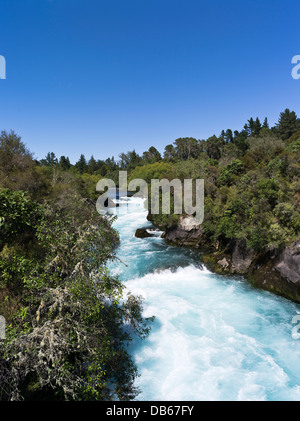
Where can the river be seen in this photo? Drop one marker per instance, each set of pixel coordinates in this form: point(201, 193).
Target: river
point(214, 337)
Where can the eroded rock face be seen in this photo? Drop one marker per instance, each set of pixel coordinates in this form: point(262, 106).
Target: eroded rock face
point(186, 234)
point(289, 263)
point(242, 257)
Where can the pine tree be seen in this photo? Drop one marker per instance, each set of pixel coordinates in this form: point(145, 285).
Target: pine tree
point(266, 124)
point(81, 164)
point(288, 124)
point(50, 159)
point(92, 165)
point(64, 163)
point(228, 136)
point(257, 127)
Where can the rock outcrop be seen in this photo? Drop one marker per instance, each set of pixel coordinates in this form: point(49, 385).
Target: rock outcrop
point(288, 263)
point(186, 234)
point(242, 257)
point(144, 233)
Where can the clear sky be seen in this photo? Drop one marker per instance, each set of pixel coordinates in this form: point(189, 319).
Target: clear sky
point(104, 77)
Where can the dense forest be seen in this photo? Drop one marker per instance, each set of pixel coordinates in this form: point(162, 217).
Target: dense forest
point(68, 324)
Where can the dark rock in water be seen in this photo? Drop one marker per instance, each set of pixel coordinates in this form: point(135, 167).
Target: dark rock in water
point(108, 203)
point(186, 234)
point(149, 216)
point(143, 233)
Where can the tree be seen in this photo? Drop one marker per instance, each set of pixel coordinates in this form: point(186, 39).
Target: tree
point(111, 163)
point(228, 172)
point(169, 153)
point(257, 127)
point(13, 152)
point(265, 123)
point(192, 147)
point(288, 124)
point(228, 136)
point(240, 140)
point(64, 163)
point(253, 127)
point(18, 215)
point(268, 189)
point(151, 156)
point(92, 165)
point(17, 168)
point(148, 172)
point(130, 160)
point(186, 148)
point(214, 147)
point(50, 160)
point(81, 164)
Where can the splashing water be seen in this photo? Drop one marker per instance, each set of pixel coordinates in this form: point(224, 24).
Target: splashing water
point(214, 337)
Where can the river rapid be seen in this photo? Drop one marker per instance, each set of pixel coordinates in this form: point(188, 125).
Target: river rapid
point(214, 337)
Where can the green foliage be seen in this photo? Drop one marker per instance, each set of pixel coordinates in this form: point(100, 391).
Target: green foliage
point(18, 214)
point(294, 146)
point(227, 173)
point(268, 189)
point(17, 168)
point(81, 164)
point(151, 156)
point(166, 221)
point(89, 183)
point(51, 160)
point(277, 165)
point(70, 321)
point(288, 124)
point(148, 172)
point(228, 227)
point(69, 330)
point(288, 216)
point(265, 145)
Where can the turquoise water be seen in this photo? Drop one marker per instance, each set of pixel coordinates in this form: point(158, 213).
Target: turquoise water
point(214, 337)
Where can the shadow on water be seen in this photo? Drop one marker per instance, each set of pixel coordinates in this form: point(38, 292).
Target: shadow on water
point(137, 343)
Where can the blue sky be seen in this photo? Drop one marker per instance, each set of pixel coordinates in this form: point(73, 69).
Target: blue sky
point(104, 77)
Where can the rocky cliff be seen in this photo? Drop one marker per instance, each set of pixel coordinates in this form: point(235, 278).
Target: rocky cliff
point(278, 272)
point(186, 234)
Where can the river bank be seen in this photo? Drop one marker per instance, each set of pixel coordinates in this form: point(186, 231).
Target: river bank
point(277, 271)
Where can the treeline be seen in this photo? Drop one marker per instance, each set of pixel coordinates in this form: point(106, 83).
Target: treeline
point(182, 148)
